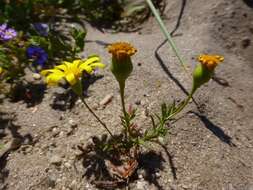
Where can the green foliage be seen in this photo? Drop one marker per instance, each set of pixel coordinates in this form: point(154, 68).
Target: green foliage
point(78, 36)
point(1, 146)
point(132, 135)
point(101, 10)
point(159, 123)
point(12, 56)
point(35, 24)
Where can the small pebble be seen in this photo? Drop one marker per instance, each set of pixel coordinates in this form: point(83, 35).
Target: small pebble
point(161, 139)
point(70, 131)
point(137, 102)
point(78, 153)
point(51, 181)
point(72, 123)
point(46, 170)
point(2, 132)
point(56, 160)
point(55, 132)
point(73, 184)
point(141, 185)
point(140, 176)
point(36, 76)
point(67, 165)
point(61, 134)
point(246, 42)
point(79, 101)
point(157, 174)
point(106, 100)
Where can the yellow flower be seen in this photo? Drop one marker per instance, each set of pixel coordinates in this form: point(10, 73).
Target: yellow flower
point(1, 70)
point(210, 61)
point(72, 72)
point(121, 50)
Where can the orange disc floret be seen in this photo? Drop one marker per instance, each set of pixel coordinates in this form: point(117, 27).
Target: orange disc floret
point(121, 49)
point(210, 61)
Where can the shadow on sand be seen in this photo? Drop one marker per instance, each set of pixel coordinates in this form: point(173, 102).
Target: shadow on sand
point(96, 170)
point(216, 130)
point(17, 139)
point(67, 100)
point(30, 93)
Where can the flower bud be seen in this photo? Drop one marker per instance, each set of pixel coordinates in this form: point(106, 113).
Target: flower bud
point(121, 66)
point(205, 69)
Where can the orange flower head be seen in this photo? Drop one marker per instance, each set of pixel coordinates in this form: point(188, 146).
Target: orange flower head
point(121, 50)
point(210, 61)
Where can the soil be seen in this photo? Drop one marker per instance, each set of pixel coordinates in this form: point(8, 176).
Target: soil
point(210, 147)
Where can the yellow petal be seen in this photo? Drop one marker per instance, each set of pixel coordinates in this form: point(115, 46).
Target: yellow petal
point(76, 62)
point(91, 60)
point(98, 65)
point(121, 49)
point(68, 65)
point(210, 61)
point(90, 64)
point(51, 83)
point(53, 79)
point(45, 72)
point(61, 67)
point(71, 79)
point(86, 68)
point(52, 71)
point(52, 76)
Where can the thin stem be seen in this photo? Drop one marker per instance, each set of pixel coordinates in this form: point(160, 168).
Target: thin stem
point(122, 93)
point(166, 33)
point(186, 101)
point(95, 115)
point(122, 96)
point(180, 108)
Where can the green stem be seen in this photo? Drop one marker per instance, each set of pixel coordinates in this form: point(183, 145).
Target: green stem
point(166, 33)
point(95, 115)
point(186, 101)
point(122, 93)
point(122, 96)
point(78, 89)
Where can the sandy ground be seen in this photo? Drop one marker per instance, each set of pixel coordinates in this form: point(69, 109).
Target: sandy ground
point(208, 148)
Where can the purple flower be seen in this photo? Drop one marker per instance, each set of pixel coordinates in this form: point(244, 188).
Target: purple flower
point(38, 54)
point(2, 28)
point(41, 28)
point(7, 34)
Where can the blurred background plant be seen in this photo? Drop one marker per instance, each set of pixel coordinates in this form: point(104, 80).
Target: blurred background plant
point(120, 15)
point(30, 38)
point(105, 13)
point(47, 30)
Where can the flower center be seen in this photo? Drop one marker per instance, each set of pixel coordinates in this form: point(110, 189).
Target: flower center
point(121, 50)
point(210, 61)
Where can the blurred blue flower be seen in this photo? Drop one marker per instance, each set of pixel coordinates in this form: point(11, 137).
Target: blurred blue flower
point(38, 54)
point(6, 33)
point(41, 28)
